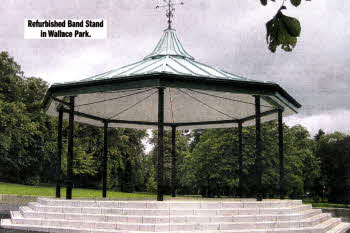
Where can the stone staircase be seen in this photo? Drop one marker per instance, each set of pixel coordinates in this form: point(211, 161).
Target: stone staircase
point(58, 215)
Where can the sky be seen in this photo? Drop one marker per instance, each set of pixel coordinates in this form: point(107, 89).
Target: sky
point(228, 34)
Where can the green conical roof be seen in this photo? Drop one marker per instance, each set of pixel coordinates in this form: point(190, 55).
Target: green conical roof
point(168, 57)
point(169, 45)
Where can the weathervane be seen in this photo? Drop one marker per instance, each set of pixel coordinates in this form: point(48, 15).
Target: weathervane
point(170, 11)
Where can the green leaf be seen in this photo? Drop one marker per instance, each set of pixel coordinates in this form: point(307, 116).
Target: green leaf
point(292, 25)
point(295, 2)
point(282, 31)
point(263, 2)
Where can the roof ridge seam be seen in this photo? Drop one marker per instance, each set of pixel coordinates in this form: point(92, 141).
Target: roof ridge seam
point(165, 63)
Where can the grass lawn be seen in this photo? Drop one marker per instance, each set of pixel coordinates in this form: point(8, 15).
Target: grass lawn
point(324, 204)
point(47, 191)
point(327, 205)
point(50, 191)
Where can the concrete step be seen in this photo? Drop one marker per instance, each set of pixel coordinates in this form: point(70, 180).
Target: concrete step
point(169, 204)
point(6, 223)
point(29, 213)
point(329, 224)
point(321, 228)
point(315, 220)
point(17, 218)
point(54, 215)
point(340, 228)
point(171, 211)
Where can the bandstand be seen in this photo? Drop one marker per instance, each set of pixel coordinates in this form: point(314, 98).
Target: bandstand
point(170, 89)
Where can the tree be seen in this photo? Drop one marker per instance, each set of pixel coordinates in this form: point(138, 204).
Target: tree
point(182, 150)
point(303, 168)
point(11, 88)
point(319, 135)
point(340, 186)
point(25, 131)
point(331, 149)
point(212, 167)
point(215, 161)
point(28, 139)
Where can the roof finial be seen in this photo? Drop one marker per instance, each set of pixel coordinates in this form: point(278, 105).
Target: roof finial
point(170, 11)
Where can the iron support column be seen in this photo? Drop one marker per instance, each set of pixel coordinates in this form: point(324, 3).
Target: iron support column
point(173, 161)
point(281, 154)
point(258, 163)
point(160, 143)
point(69, 180)
point(105, 157)
point(59, 153)
point(240, 159)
